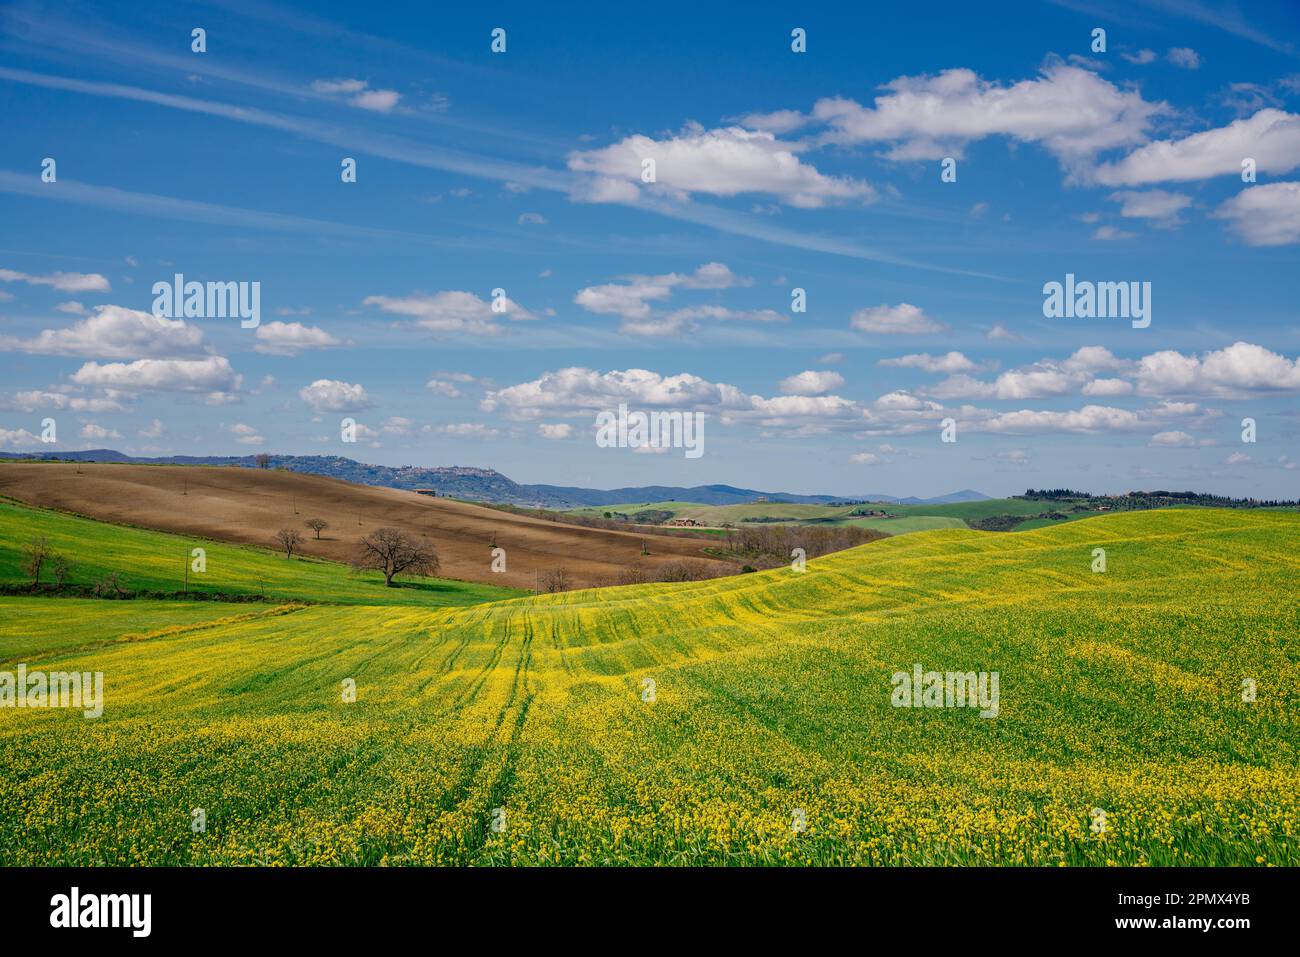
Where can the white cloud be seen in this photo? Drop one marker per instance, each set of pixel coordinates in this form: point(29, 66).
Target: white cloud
point(811, 382)
point(451, 311)
point(290, 338)
point(62, 281)
point(154, 431)
point(949, 362)
point(72, 307)
point(1155, 204)
point(718, 162)
point(1172, 440)
point(246, 434)
point(380, 101)
point(1237, 458)
point(359, 94)
point(1184, 57)
point(31, 401)
point(865, 458)
point(92, 430)
point(114, 332)
point(1108, 388)
point(18, 438)
point(1142, 57)
point(398, 425)
point(212, 374)
point(555, 431)
point(1111, 232)
point(1266, 215)
point(894, 320)
point(1271, 138)
point(531, 219)
point(472, 429)
point(1000, 332)
point(1235, 372)
point(332, 395)
point(1071, 111)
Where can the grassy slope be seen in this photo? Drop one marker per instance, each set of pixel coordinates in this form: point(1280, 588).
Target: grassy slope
point(1119, 690)
point(156, 561)
point(955, 515)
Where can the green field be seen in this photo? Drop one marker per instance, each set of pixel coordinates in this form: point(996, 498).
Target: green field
point(1120, 692)
point(157, 562)
point(900, 518)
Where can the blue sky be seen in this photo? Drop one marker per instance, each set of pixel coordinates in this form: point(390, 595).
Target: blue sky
point(775, 170)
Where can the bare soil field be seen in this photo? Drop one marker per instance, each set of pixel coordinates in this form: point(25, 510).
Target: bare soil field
point(249, 505)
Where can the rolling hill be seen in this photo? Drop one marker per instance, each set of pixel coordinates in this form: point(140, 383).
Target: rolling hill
point(476, 484)
point(693, 723)
point(247, 506)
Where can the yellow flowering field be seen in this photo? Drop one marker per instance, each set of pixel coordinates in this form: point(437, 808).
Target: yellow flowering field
point(746, 720)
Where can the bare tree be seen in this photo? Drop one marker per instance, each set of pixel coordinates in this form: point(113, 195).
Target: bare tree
point(317, 525)
point(263, 460)
point(35, 554)
point(557, 579)
point(289, 539)
point(392, 551)
point(62, 569)
point(110, 586)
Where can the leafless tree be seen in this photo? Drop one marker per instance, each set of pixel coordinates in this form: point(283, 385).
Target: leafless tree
point(110, 586)
point(62, 569)
point(35, 554)
point(263, 460)
point(289, 539)
point(392, 551)
point(317, 525)
point(557, 579)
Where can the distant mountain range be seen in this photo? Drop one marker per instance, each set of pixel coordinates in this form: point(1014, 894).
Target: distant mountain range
point(489, 485)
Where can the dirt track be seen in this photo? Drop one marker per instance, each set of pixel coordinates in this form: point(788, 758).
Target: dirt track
point(249, 505)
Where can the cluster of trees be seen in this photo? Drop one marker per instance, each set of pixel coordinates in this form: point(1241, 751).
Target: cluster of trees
point(39, 556)
point(769, 545)
point(1159, 498)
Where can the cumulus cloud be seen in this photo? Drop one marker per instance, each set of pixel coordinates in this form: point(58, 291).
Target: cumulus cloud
point(246, 434)
point(62, 281)
point(212, 374)
point(949, 362)
point(554, 431)
point(1184, 57)
point(1069, 110)
point(1267, 215)
point(1271, 138)
point(290, 338)
point(18, 438)
point(332, 395)
point(452, 311)
point(811, 382)
point(631, 299)
point(114, 332)
point(1154, 204)
point(1240, 370)
point(865, 458)
point(901, 319)
point(94, 431)
point(36, 399)
point(717, 162)
point(1174, 439)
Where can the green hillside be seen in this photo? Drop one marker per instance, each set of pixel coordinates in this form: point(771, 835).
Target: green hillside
point(157, 561)
point(1119, 691)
